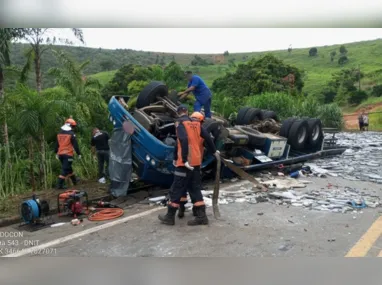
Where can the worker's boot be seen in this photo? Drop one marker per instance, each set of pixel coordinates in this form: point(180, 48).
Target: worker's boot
point(74, 179)
point(169, 218)
point(60, 184)
point(194, 213)
point(182, 209)
point(201, 217)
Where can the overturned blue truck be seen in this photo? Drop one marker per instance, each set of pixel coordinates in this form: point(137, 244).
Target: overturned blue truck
point(255, 140)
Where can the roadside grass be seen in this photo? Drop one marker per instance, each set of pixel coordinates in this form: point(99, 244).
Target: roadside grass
point(16, 173)
point(375, 122)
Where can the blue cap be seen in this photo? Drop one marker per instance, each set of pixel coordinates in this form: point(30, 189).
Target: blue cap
point(181, 108)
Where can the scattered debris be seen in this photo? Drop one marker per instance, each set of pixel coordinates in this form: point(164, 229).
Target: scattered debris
point(331, 198)
point(361, 161)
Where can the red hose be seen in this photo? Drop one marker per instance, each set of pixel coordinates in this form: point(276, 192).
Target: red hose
point(106, 214)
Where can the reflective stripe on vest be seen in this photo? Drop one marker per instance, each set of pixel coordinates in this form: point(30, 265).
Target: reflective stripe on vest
point(195, 155)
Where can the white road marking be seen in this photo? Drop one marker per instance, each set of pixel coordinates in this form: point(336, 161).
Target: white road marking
point(36, 249)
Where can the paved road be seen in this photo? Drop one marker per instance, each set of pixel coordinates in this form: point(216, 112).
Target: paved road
point(260, 230)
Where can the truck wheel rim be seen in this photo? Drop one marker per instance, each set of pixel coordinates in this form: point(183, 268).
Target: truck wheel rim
point(301, 136)
point(316, 132)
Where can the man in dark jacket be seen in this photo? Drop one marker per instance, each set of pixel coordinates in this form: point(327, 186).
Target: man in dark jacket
point(66, 144)
point(100, 144)
point(187, 160)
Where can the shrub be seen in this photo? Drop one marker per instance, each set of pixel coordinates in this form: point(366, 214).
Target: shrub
point(377, 91)
point(357, 97)
point(343, 59)
point(331, 116)
point(313, 51)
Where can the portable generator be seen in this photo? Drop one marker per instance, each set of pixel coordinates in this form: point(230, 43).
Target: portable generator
point(33, 210)
point(72, 202)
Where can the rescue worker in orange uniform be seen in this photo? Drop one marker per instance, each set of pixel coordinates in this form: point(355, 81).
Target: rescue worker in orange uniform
point(187, 160)
point(183, 201)
point(66, 144)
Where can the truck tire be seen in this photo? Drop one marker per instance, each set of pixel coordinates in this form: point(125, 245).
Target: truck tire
point(256, 139)
point(298, 134)
point(315, 132)
point(269, 115)
point(241, 114)
point(150, 93)
point(251, 116)
point(285, 127)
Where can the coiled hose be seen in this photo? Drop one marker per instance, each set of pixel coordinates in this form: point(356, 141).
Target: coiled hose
point(105, 214)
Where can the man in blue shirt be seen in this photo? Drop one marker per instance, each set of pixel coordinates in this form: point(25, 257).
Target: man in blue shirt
point(201, 91)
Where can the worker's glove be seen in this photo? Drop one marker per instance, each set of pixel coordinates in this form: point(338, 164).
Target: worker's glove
point(57, 157)
point(217, 154)
point(79, 157)
point(188, 166)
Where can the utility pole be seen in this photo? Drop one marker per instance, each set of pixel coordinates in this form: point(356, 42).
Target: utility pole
point(359, 78)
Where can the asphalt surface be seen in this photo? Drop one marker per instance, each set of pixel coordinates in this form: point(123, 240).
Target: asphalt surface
point(258, 230)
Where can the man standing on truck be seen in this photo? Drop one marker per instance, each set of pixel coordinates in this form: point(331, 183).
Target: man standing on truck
point(100, 145)
point(187, 160)
point(66, 144)
point(202, 93)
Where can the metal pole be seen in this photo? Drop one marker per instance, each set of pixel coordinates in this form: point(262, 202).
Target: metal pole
point(359, 78)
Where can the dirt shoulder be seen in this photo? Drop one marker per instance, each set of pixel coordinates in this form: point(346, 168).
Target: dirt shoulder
point(351, 119)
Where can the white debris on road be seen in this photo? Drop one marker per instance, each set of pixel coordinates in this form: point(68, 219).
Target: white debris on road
point(361, 161)
point(337, 200)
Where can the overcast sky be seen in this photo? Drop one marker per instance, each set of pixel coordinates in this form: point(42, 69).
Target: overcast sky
point(202, 40)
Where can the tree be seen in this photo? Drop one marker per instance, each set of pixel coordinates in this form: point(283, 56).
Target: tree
point(313, 51)
point(82, 91)
point(377, 91)
point(329, 94)
point(290, 49)
point(157, 59)
point(226, 53)
point(174, 76)
point(343, 84)
point(258, 76)
point(6, 36)
point(332, 55)
point(357, 97)
point(343, 50)
point(33, 116)
point(342, 60)
point(106, 65)
point(40, 42)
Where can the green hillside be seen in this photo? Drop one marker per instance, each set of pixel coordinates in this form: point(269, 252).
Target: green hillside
point(318, 69)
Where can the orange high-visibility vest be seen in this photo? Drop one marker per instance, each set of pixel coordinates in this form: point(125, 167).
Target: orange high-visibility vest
point(195, 154)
